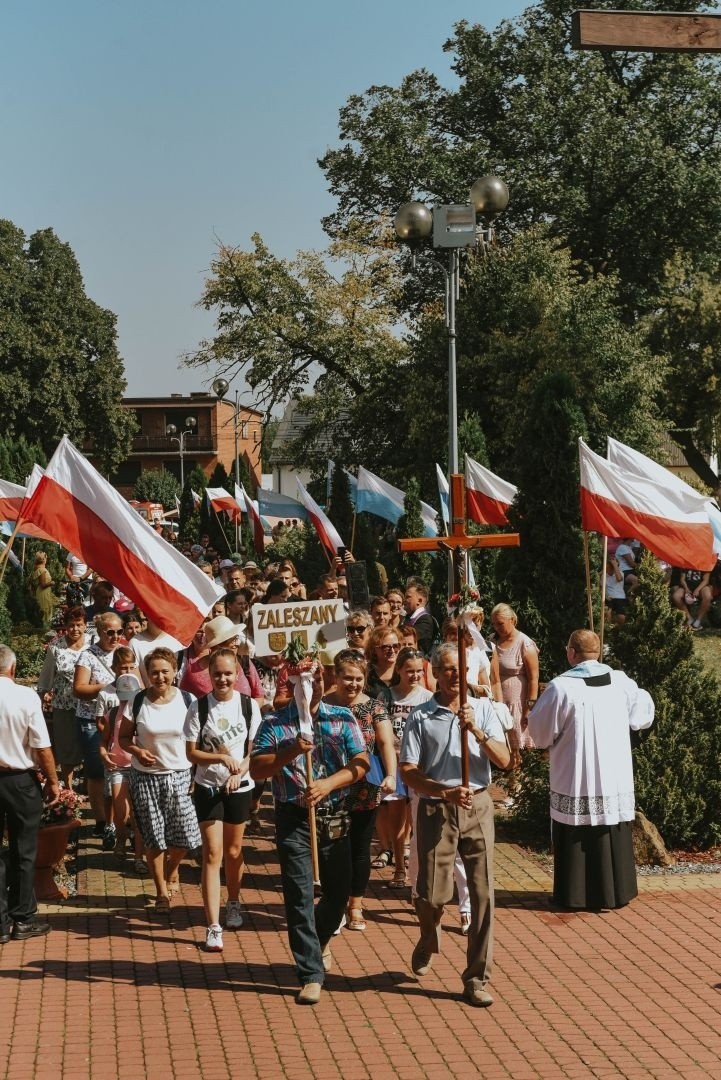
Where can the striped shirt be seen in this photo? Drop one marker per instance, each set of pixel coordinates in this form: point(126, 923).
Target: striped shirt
point(337, 739)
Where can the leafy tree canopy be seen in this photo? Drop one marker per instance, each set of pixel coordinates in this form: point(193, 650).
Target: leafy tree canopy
point(60, 371)
point(156, 485)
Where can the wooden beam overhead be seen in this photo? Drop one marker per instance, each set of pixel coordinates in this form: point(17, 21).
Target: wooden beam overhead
point(657, 31)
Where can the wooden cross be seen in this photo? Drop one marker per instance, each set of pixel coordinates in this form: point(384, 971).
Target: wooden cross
point(655, 31)
point(457, 543)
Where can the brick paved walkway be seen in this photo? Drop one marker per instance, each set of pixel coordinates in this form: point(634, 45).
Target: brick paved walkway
point(115, 991)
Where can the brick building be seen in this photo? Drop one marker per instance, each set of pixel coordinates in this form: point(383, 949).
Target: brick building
point(210, 443)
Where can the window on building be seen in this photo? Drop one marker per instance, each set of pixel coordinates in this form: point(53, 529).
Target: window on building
point(244, 429)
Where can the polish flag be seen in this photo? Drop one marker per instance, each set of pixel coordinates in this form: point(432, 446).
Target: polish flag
point(636, 462)
point(327, 532)
point(219, 499)
point(11, 499)
point(487, 496)
point(72, 503)
point(251, 508)
point(671, 523)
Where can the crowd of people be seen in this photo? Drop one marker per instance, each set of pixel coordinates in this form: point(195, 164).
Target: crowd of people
point(362, 746)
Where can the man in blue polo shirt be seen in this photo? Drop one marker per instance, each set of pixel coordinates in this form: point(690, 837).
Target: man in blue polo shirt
point(339, 759)
point(452, 818)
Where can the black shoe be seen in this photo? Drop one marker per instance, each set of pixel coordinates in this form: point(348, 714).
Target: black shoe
point(32, 928)
point(5, 935)
point(98, 828)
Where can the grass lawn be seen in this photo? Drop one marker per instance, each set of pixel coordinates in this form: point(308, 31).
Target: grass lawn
point(707, 644)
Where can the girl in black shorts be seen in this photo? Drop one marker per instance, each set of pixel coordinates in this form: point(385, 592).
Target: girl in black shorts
point(219, 730)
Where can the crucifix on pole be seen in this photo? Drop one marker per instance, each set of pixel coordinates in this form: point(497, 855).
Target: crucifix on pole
point(457, 543)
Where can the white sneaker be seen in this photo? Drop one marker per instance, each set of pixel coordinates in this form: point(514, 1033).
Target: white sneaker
point(233, 916)
point(340, 927)
point(214, 939)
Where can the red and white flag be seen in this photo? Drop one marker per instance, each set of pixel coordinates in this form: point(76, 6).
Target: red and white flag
point(488, 497)
point(251, 508)
point(11, 499)
point(219, 499)
point(327, 532)
point(72, 502)
point(670, 522)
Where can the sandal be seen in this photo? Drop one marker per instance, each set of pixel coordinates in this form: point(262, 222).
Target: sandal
point(399, 880)
point(382, 859)
point(354, 919)
point(173, 886)
point(162, 903)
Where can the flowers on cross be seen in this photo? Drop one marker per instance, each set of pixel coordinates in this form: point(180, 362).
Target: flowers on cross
point(467, 597)
point(64, 810)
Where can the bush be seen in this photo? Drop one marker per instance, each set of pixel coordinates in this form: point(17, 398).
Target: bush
point(676, 762)
point(30, 652)
point(530, 812)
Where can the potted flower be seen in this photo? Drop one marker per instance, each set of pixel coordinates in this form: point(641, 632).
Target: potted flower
point(56, 824)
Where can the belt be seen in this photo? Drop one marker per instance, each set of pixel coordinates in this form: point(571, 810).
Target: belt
point(6, 770)
point(430, 798)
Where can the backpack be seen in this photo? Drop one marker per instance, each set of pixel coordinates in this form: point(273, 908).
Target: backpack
point(140, 698)
point(203, 710)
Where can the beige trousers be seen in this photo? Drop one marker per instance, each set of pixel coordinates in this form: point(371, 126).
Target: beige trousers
point(442, 830)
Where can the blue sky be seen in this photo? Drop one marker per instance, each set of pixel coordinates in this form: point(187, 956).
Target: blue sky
point(142, 131)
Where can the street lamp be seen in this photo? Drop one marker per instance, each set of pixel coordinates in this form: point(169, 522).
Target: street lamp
point(171, 430)
point(220, 389)
point(452, 228)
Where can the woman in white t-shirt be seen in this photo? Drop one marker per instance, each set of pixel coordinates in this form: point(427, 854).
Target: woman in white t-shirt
point(160, 774)
point(393, 823)
point(219, 731)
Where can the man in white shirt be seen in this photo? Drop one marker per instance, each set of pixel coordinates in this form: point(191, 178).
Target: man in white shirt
point(24, 746)
point(452, 818)
point(585, 716)
point(151, 638)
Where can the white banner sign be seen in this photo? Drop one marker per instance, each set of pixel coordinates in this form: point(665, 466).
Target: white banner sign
point(321, 621)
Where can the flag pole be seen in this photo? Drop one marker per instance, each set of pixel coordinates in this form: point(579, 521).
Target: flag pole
point(220, 526)
point(603, 592)
point(5, 555)
point(352, 533)
point(311, 822)
point(588, 579)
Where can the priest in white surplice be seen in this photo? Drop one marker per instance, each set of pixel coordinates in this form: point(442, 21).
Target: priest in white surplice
point(585, 717)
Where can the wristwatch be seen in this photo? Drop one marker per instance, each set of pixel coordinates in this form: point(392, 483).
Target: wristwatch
point(484, 737)
point(531, 702)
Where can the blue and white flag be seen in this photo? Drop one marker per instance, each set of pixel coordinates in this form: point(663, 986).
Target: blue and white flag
point(380, 498)
point(273, 504)
point(444, 496)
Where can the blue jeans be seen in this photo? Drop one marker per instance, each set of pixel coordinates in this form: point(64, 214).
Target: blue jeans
point(310, 926)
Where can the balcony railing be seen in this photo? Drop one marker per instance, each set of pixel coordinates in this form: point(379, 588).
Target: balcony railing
point(164, 444)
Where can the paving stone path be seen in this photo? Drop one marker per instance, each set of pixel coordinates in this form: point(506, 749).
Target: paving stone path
point(115, 991)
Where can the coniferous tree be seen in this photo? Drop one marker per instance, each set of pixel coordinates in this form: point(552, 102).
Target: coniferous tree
point(413, 563)
point(189, 518)
point(676, 762)
point(365, 549)
point(546, 577)
point(340, 507)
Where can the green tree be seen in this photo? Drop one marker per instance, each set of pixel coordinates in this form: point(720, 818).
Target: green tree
point(410, 524)
point(340, 507)
point(156, 485)
point(60, 371)
point(546, 575)
point(189, 517)
point(586, 141)
point(17, 457)
point(676, 763)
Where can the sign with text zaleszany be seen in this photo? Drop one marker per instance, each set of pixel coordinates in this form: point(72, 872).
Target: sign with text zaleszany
point(321, 621)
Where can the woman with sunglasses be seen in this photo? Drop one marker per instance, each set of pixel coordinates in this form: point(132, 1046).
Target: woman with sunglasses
point(381, 652)
point(358, 629)
point(394, 817)
point(93, 671)
point(364, 797)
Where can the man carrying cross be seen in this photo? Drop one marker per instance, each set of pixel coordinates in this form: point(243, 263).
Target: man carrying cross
point(454, 816)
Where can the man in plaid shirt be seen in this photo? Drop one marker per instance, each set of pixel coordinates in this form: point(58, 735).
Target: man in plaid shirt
point(339, 759)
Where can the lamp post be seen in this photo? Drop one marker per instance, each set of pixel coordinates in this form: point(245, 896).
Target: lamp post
point(220, 389)
point(171, 430)
point(452, 228)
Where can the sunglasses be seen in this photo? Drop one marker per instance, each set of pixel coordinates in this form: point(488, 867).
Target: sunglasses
point(357, 629)
point(111, 633)
point(294, 584)
point(411, 654)
point(389, 648)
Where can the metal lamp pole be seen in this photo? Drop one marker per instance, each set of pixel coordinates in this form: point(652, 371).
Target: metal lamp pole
point(220, 388)
point(451, 228)
point(172, 431)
